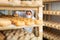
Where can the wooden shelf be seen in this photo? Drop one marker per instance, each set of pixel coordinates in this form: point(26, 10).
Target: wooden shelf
point(51, 0)
point(23, 3)
point(51, 34)
point(22, 7)
point(12, 26)
point(17, 27)
point(52, 12)
point(36, 7)
point(52, 24)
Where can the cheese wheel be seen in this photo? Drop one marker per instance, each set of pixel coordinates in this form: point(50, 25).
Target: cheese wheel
point(34, 38)
point(4, 22)
point(21, 38)
point(14, 21)
point(32, 35)
point(2, 36)
point(37, 22)
point(20, 23)
point(27, 23)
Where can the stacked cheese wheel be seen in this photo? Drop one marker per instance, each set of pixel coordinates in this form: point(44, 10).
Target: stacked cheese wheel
point(19, 35)
point(4, 22)
point(25, 21)
point(2, 37)
point(18, 21)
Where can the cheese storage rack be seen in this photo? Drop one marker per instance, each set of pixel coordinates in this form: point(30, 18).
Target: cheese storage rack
point(37, 8)
point(50, 24)
point(51, 33)
point(55, 24)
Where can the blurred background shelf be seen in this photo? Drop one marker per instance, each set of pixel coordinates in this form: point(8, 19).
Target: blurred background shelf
point(51, 0)
point(52, 12)
point(51, 19)
point(20, 2)
point(16, 27)
point(51, 33)
point(52, 24)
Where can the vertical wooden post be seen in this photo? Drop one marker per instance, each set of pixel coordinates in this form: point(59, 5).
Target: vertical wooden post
point(36, 29)
point(41, 26)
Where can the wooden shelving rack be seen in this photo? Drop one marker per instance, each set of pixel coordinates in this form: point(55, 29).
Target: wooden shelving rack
point(52, 12)
point(51, 34)
point(52, 24)
point(24, 6)
point(48, 32)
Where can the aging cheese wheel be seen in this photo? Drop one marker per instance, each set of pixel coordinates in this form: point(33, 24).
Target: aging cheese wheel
point(27, 37)
point(37, 22)
point(4, 22)
point(2, 36)
point(29, 22)
point(32, 35)
point(20, 23)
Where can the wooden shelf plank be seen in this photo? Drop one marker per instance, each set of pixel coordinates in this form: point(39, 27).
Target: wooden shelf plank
point(22, 7)
point(52, 12)
point(51, 24)
point(51, 0)
point(51, 34)
point(23, 3)
point(17, 27)
point(18, 8)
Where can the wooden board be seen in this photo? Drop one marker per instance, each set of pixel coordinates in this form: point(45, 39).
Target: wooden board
point(52, 12)
point(17, 27)
point(51, 0)
point(51, 24)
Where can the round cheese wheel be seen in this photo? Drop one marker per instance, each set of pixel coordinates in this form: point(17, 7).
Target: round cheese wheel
point(4, 22)
point(20, 23)
point(2, 36)
point(27, 23)
point(37, 22)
